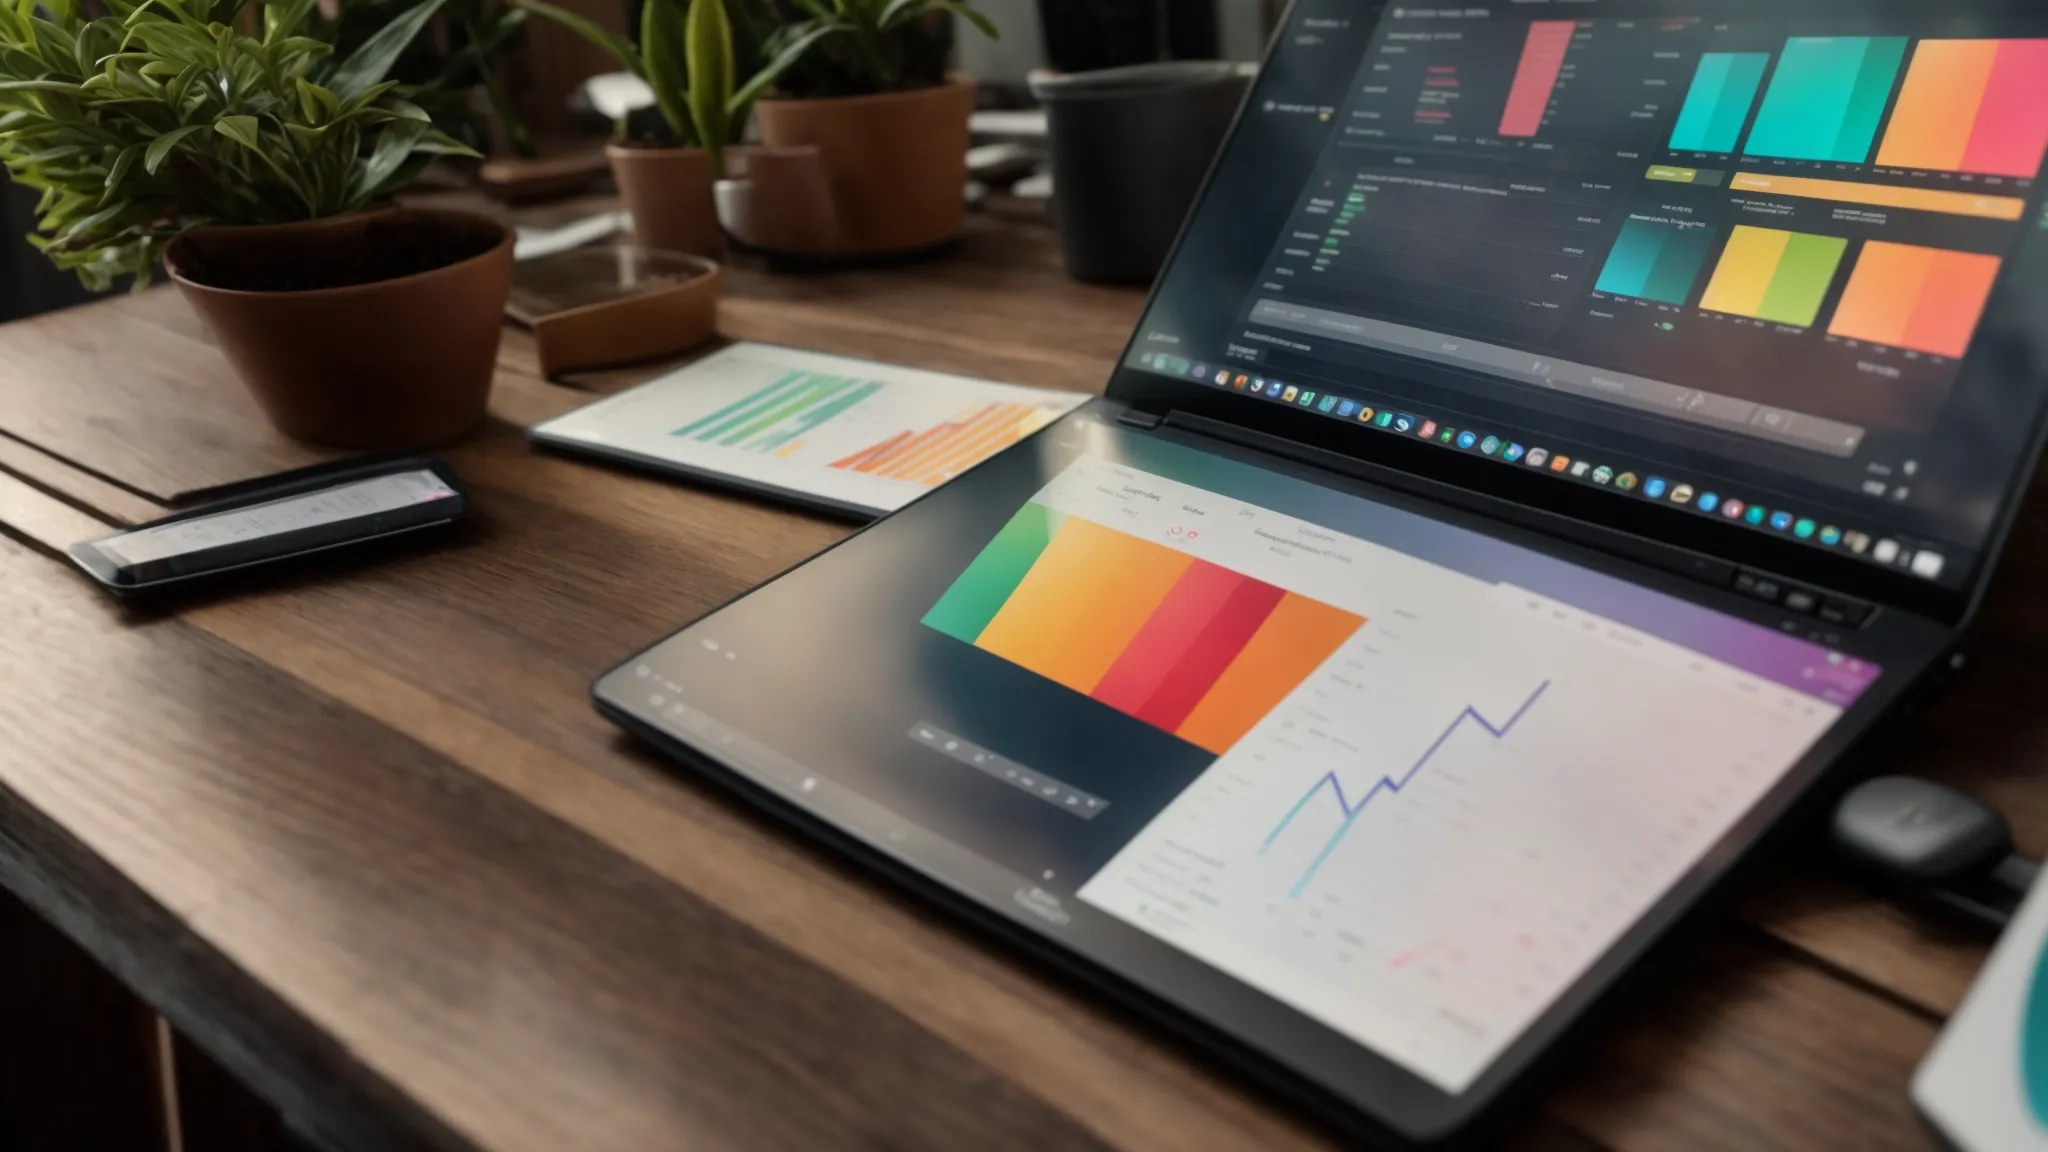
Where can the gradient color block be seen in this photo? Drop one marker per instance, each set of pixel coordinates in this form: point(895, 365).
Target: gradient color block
point(1655, 259)
point(1298, 636)
point(1826, 98)
point(940, 453)
point(1906, 296)
point(1972, 106)
point(1723, 88)
point(1770, 274)
point(1185, 645)
point(1082, 603)
point(1536, 76)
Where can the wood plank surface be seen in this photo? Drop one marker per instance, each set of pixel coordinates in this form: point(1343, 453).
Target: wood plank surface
point(418, 894)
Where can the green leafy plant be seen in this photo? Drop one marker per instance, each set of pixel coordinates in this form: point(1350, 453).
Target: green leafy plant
point(690, 53)
point(825, 48)
point(162, 116)
point(455, 55)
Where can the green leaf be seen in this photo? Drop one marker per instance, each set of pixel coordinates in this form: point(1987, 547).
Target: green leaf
point(376, 56)
point(791, 52)
point(708, 45)
point(394, 146)
point(407, 110)
point(614, 45)
point(664, 47)
point(241, 129)
point(119, 171)
point(160, 147)
point(38, 86)
point(283, 19)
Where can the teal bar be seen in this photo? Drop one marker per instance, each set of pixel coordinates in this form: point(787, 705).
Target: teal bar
point(1695, 127)
point(816, 392)
point(1633, 257)
point(765, 395)
point(1867, 100)
point(819, 415)
point(1678, 264)
point(1826, 98)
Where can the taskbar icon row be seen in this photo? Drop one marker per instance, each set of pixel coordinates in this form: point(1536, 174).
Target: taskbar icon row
point(1697, 498)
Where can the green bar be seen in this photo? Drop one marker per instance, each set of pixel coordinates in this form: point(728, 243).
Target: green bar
point(983, 589)
point(816, 392)
point(821, 414)
point(1801, 282)
point(1867, 100)
point(738, 406)
point(1674, 175)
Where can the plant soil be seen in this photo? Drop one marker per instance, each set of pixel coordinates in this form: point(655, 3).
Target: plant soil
point(382, 250)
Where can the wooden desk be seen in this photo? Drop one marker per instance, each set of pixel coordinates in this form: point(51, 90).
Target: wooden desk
point(361, 836)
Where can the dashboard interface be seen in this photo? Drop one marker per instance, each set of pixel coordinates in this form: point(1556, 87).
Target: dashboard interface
point(1251, 740)
point(1736, 259)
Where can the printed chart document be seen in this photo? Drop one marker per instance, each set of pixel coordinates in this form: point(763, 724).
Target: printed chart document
point(849, 435)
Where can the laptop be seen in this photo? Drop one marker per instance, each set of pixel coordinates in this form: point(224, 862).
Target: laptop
point(1565, 435)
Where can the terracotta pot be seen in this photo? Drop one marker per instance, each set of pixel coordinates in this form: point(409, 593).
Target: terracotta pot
point(403, 363)
point(668, 193)
point(896, 162)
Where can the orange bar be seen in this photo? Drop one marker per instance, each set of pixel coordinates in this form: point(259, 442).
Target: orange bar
point(1882, 195)
point(1296, 638)
point(966, 424)
point(1082, 603)
point(1958, 286)
point(1883, 290)
point(1930, 126)
point(974, 449)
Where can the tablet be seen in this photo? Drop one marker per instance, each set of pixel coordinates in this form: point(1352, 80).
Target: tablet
point(1373, 795)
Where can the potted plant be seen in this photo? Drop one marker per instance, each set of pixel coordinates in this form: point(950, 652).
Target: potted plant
point(666, 158)
point(247, 163)
point(864, 82)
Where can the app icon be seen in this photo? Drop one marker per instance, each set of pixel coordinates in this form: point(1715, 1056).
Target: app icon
point(1447, 435)
point(1490, 445)
point(1365, 414)
point(1927, 564)
point(1385, 419)
point(1654, 487)
point(1560, 463)
point(1202, 371)
point(1346, 407)
point(1781, 520)
point(1403, 422)
point(1579, 469)
point(1755, 515)
point(1273, 389)
point(1885, 552)
point(1467, 439)
point(1223, 377)
point(1145, 361)
point(1831, 535)
point(1307, 399)
point(1602, 474)
point(1511, 453)
point(1732, 508)
point(1626, 481)
point(1538, 457)
point(1708, 501)
point(1803, 529)
point(1328, 403)
point(1428, 429)
point(1681, 494)
point(1290, 393)
point(1857, 542)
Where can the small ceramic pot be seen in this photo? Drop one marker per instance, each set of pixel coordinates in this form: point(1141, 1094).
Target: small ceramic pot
point(668, 193)
point(896, 162)
point(394, 364)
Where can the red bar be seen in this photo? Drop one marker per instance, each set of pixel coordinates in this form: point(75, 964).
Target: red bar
point(2011, 132)
point(1195, 673)
point(1172, 629)
point(1536, 76)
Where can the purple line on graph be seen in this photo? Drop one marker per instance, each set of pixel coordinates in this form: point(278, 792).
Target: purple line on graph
point(1384, 784)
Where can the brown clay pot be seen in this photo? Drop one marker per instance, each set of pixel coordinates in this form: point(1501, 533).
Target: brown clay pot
point(402, 363)
point(668, 193)
point(896, 162)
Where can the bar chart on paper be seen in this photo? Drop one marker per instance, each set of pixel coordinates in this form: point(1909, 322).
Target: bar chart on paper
point(849, 433)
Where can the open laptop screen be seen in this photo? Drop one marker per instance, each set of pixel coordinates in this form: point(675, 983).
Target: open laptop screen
point(1782, 265)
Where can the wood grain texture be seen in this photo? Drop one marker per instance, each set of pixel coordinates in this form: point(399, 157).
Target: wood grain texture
point(421, 894)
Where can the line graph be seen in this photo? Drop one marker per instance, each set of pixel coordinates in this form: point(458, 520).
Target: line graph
point(1385, 784)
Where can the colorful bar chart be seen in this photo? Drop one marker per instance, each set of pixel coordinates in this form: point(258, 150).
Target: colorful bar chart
point(1536, 76)
point(1972, 106)
point(1769, 274)
point(1906, 296)
point(942, 452)
point(778, 415)
point(1656, 259)
point(1187, 646)
point(1826, 98)
point(1717, 103)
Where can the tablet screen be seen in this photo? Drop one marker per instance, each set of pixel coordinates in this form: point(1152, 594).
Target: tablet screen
point(1250, 739)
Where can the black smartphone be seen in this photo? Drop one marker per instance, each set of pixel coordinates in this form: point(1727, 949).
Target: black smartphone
point(338, 509)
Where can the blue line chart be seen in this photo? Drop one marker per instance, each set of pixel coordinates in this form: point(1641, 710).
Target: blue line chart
point(1392, 784)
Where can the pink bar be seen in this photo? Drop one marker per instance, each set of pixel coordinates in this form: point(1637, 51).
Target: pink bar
point(2011, 132)
point(1536, 76)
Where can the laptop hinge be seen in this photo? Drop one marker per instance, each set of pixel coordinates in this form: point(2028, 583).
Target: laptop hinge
point(1133, 418)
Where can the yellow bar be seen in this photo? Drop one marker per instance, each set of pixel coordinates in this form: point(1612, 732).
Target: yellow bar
point(1931, 124)
point(1674, 175)
point(1744, 273)
point(1083, 600)
point(1883, 196)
